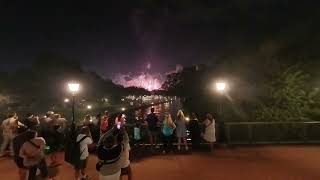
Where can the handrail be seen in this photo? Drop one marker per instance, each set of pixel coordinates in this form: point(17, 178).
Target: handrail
point(273, 122)
point(251, 137)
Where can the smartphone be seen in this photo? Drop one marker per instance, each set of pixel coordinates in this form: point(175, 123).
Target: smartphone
point(118, 125)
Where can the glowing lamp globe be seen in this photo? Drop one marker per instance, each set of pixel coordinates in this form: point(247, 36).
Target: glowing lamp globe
point(89, 107)
point(66, 100)
point(221, 86)
point(73, 87)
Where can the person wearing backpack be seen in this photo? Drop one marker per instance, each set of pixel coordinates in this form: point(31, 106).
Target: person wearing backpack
point(32, 153)
point(84, 139)
point(167, 133)
point(111, 155)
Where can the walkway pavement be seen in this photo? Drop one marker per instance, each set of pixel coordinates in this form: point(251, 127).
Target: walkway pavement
point(243, 163)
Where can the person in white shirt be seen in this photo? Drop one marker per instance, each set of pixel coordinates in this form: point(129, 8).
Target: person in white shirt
point(85, 139)
point(8, 126)
point(210, 132)
point(125, 158)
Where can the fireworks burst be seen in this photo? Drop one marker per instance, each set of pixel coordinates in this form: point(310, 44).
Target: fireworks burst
point(144, 80)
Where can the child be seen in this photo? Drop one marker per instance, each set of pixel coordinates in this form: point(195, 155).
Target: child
point(137, 134)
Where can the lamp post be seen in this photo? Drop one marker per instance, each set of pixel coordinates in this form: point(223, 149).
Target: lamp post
point(73, 88)
point(71, 134)
point(221, 88)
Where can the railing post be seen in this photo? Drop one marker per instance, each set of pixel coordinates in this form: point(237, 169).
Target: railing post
point(305, 138)
point(228, 133)
point(250, 133)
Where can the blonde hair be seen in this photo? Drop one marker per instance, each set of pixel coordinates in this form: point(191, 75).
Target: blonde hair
point(167, 119)
point(180, 115)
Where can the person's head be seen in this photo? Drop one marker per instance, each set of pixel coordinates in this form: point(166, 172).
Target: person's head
point(209, 116)
point(119, 116)
point(180, 115)
point(87, 117)
point(98, 116)
point(56, 116)
point(11, 115)
point(106, 113)
point(152, 110)
point(85, 130)
point(109, 141)
point(49, 114)
point(194, 116)
point(31, 134)
point(21, 129)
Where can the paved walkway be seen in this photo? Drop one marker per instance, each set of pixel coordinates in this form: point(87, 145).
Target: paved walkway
point(244, 163)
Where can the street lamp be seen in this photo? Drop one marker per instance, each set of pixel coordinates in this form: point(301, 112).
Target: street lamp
point(123, 109)
point(221, 86)
point(73, 88)
point(66, 100)
point(89, 107)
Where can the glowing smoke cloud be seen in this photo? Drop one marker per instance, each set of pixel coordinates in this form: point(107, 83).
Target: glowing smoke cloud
point(144, 80)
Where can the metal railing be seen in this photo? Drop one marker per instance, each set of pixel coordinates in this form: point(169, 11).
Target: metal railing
point(272, 132)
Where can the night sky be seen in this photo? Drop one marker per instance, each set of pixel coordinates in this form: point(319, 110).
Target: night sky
point(107, 40)
point(116, 38)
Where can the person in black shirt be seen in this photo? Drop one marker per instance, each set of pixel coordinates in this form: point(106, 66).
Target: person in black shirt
point(195, 131)
point(153, 127)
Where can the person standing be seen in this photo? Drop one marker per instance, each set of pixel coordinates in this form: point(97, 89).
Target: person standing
point(153, 129)
point(119, 121)
point(137, 134)
point(110, 155)
point(181, 130)
point(209, 132)
point(195, 131)
point(17, 142)
point(84, 139)
point(104, 125)
point(167, 133)
point(87, 121)
point(9, 127)
point(123, 138)
point(32, 152)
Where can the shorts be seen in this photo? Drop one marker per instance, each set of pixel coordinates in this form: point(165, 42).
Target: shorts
point(115, 176)
point(19, 162)
point(81, 165)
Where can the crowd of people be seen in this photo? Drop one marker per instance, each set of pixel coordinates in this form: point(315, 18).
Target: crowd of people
point(31, 139)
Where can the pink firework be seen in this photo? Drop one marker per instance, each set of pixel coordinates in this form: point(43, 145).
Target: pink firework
point(147, 81)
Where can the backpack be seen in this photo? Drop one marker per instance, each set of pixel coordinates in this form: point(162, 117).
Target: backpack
point(167, 130)
point(74, 152)
point(33, 161)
